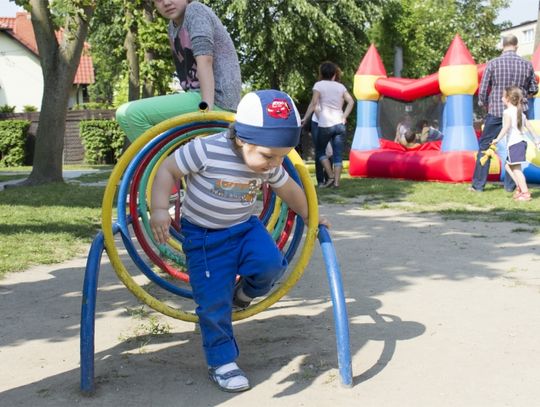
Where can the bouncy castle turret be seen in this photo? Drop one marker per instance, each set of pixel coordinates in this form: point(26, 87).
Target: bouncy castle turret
point(458, 81)
point(367, 133)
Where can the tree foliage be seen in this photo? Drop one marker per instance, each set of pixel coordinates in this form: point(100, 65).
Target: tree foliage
point(282, 42)
point(425, 29)
point(121, 25)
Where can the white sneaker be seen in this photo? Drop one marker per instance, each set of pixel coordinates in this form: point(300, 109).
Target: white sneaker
point(229, 377)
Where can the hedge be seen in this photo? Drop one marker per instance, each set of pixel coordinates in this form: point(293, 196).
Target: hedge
point(13, 137)
point(102, 140)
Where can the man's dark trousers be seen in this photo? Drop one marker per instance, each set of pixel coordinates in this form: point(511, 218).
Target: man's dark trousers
point(492, 127)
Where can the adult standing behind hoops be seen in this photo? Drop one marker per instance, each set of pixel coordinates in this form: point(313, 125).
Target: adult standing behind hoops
point(206, 65)
point(327, 102)
point(509, 69)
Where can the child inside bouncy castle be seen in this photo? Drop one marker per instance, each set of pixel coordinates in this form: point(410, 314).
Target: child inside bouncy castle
point(222, 237)
point(409, 139)
point(427, 132)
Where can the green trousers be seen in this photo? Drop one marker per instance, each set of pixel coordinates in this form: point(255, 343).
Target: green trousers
point(138, 116)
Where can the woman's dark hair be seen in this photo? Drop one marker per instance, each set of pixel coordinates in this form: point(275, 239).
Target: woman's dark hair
point(327, 70)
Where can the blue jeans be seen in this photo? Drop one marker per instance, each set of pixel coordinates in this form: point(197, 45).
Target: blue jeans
point(336, 135)
point(214, 258)
point(319, 171)
point(492, 127)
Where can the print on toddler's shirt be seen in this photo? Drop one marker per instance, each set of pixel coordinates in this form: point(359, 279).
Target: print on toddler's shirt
point(245, 193)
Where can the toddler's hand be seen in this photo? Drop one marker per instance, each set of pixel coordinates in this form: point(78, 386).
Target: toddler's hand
point(160, 221)
point(325, 222)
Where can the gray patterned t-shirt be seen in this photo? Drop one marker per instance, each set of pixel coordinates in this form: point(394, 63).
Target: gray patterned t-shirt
point(202, 33)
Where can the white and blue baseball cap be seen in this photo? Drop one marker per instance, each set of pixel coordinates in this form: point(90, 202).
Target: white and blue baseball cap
point(268, 118)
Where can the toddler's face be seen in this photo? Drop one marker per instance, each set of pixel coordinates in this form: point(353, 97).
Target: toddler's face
point(261, 159)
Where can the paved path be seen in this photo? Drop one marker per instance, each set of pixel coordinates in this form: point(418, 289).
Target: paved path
point(67, 174)
point(442, 313)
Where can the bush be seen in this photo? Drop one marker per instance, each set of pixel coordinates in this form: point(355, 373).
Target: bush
point(103, 141)
point(91, 106)
point(13, 137)
point(7, 109)
point(29, 108)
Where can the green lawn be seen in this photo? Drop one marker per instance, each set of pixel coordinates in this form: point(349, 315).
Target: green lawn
point(47, 224)
point(50, 224)
point(449, 200)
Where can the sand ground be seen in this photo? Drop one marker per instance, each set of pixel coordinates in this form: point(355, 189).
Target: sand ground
point(442, 313)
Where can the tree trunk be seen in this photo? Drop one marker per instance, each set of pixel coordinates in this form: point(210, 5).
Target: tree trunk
point(131, 45)
point(59, 63)
point(537, 30)
point(148, 89)
point(49, 147)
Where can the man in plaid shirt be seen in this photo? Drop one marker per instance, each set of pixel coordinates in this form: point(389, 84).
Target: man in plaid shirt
point(506, 70)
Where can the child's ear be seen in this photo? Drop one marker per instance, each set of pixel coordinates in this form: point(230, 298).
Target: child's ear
point(239, 142)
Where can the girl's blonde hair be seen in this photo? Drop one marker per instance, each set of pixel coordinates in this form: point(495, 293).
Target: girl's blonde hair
point(515, 97)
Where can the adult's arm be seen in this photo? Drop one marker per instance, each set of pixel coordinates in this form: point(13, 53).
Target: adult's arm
point(532, 88)
point(485, 85)
point(350, 104)
point(507, 121)
point(312, 105)
point(205, 73)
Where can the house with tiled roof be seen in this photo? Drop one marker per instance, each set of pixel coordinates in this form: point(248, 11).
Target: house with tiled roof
point(21, 78)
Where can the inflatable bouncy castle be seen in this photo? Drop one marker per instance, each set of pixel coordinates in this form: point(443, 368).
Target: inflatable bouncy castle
point(453, 158)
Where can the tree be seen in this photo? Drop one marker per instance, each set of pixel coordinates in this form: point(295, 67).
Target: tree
point(537, 29)
point(129, 46)
point(59, 58)
point(425, 30)
point(281, 43)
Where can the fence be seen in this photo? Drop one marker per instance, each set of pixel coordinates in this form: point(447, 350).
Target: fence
point(73, 148)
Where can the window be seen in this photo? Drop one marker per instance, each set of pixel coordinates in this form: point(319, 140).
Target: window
point(528, 35)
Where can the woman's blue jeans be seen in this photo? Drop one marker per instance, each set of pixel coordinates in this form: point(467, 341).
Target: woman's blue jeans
point(336, 135)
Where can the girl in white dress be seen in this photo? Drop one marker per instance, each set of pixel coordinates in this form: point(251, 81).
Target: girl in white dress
point(514, 122)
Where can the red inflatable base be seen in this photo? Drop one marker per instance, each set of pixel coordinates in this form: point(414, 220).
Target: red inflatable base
point(423, 163)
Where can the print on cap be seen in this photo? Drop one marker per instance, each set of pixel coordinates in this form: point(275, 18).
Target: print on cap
point(268, 118)
point(279, 109)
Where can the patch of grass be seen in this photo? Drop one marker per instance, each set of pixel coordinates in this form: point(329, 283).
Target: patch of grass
point(524, 230)
point(25, 169)
point(137, 312)
point(53, 223)
point(46, 224)
point(143, 333)
point(452, 201)
point(9, 177)
point(94, 177)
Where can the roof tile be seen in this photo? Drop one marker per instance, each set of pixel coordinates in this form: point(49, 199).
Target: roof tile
point(20, 28)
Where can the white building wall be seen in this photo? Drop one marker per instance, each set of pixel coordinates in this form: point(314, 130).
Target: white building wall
point(21, 79)
point(525, 34)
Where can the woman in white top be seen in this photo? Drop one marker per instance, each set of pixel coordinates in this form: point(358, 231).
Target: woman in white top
point(327, 102)
point(514, 122)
